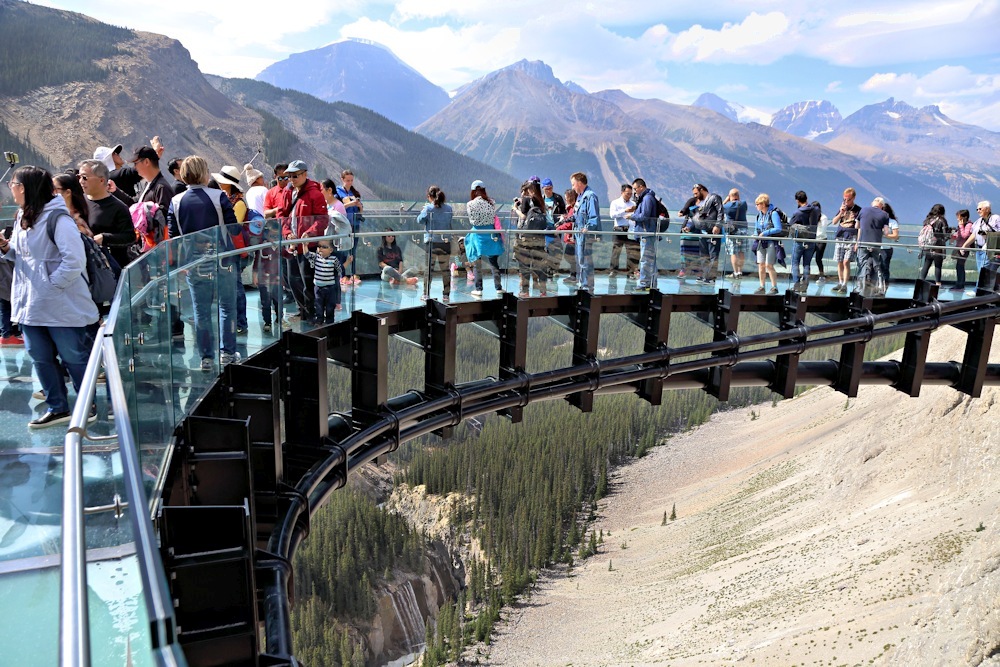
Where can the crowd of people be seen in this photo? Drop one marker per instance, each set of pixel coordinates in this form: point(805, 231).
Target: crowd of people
point(47, 302)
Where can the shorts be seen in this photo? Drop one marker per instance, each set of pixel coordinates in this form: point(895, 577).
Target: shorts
point(767, 255)
point(735, 246)
point(844, 252)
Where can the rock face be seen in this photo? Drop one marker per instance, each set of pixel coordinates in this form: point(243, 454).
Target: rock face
point(808, 120)
point(819, 530)
point(405, 607)
point(732, 110)
point(960, 161)
point(363, 73)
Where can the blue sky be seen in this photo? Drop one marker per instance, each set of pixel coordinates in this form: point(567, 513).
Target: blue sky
point(762, 54)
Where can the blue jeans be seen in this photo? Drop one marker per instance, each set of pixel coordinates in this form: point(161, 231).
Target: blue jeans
point(585, 262)
point(866, 264)
point(6, 326)
point(203, 292)
point(241, 296)
point(327, 298)
point(801, 252)
point(647, 261)
point(270, 294)
point(44, 344)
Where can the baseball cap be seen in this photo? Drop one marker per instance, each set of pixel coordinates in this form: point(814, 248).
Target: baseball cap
point(476, 185)
point(104, 153)
point(144, 153)
point(547, 183)
point(535, 179)
point(296, 166)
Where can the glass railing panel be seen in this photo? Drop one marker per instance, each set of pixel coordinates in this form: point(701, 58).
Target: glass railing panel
point(123, 333)
point(265, 295)
point(152, 413)
point(197, 278)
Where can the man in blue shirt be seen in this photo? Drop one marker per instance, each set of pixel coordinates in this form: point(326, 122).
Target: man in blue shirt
point(588, 218)
point(873, 223)
point(645, 219)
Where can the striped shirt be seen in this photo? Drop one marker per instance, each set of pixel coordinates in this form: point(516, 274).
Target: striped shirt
point(328, 269)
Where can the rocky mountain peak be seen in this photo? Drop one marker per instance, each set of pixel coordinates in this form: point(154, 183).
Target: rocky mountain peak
point(809, 119)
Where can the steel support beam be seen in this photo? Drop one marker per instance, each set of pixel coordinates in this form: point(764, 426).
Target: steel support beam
point(658, 309)
point(852, 355)
point(793, 315)
point(439, 338)
point(726, 324)
point(916, 345)
point(585, 320)
point(305, 388)
point(513, 345)
point(369, 368)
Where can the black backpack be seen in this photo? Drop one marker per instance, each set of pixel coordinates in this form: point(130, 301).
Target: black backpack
point(663, 216)
point(102, 269)
point(536, 219)
point(784, 222)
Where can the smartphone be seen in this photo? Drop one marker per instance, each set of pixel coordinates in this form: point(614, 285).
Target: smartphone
point(8, 232)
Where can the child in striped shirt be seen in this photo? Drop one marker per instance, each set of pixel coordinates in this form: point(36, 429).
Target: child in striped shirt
point(328, 271)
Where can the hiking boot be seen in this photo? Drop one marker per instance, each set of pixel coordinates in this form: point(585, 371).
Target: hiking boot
point(206, 365)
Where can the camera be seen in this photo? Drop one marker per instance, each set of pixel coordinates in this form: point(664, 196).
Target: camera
point(11, 158)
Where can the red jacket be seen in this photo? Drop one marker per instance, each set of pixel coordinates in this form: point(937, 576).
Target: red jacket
point(309, 211)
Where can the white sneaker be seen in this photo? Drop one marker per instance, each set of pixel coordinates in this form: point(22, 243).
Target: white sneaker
point(229, 358)
point(40, 395)
point(971, 292)
point(476, 292)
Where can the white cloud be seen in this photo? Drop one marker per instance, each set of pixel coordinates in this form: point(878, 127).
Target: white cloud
point(962, 94)
point(758, 39)
point(834, 86)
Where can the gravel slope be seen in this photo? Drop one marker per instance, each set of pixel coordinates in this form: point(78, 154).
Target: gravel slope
point(819, 532)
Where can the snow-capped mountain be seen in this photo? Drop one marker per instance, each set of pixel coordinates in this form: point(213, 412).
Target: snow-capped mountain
point(734, 111)
point(809, 119)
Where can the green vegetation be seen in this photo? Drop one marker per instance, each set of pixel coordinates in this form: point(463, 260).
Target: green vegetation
point(45, 47)
point(534, 486)
point(350, 543)
point(278, 142)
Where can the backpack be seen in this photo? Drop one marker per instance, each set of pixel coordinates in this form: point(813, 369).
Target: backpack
point(150, 224)
point(663, 216)
point(254, 222)
point(784, 223)
point(926, 236)
point(102, 276)
point(536, 219)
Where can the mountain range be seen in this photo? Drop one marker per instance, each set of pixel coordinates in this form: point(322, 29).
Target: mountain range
point(363, 73)
point(514, 122)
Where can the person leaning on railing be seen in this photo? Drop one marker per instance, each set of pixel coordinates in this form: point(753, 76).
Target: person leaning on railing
point(49, 294)
point(961, 234)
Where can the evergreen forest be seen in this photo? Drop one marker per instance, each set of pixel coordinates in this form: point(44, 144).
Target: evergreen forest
point(533, 487)
point(70, 45)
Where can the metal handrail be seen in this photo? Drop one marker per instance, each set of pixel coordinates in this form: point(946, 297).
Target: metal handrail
point(74, 622)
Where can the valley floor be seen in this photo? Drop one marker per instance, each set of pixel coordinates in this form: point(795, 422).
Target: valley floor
point(819, 531)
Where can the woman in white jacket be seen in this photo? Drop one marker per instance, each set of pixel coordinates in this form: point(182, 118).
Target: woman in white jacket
point(49, 295)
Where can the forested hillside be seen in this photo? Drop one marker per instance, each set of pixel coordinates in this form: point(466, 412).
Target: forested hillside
point(395, 163)
point(64, 50)
point(532, 486)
